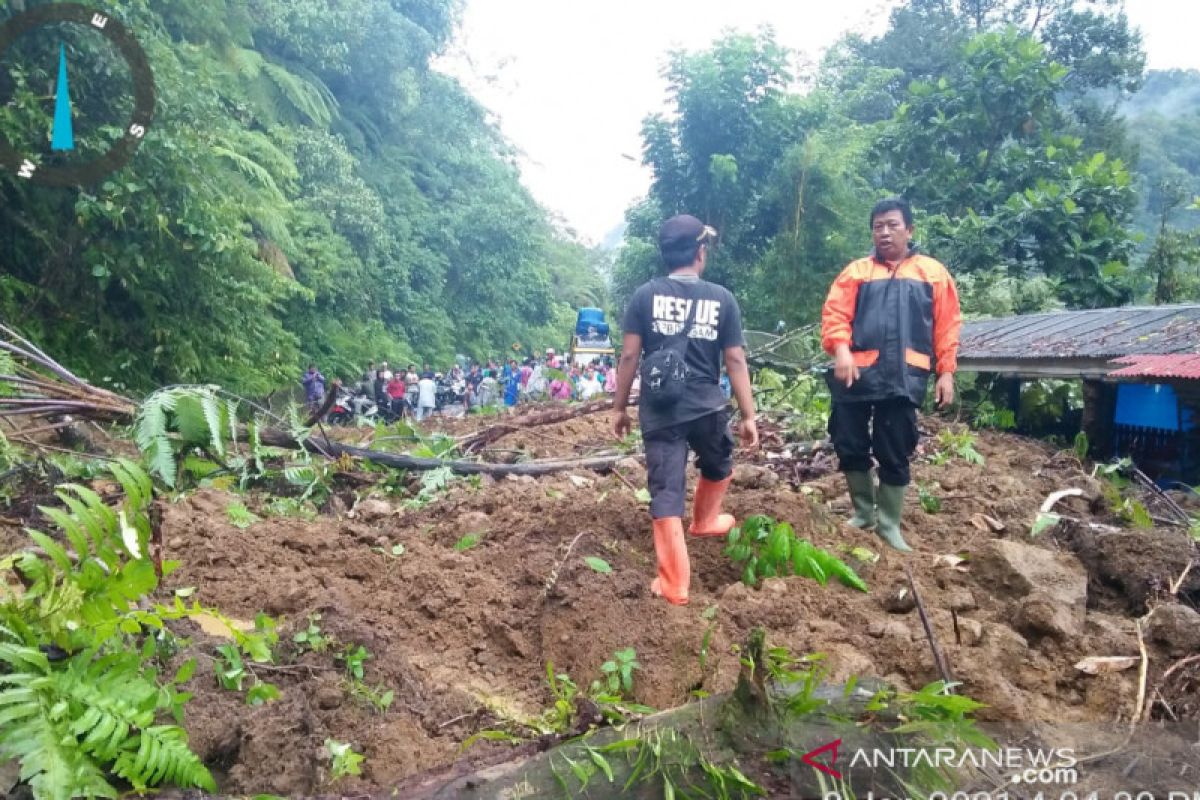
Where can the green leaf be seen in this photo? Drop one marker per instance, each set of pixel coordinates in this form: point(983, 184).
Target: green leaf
point(598, 564)
point(184, 674)
point(468, 541)
point(261, 693)
point(1044, 521)
point(643, 496)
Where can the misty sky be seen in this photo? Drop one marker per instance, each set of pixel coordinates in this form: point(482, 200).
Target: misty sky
point(570, 81)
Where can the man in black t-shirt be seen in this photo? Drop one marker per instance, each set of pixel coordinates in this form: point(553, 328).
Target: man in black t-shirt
point(702, 322)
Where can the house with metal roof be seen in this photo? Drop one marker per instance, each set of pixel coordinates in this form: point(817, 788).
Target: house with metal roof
point(1140, 367)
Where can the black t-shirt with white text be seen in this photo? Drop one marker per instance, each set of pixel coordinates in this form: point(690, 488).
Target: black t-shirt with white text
point(659, 312)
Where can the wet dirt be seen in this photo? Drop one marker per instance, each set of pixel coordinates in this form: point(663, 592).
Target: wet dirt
point(462, 632)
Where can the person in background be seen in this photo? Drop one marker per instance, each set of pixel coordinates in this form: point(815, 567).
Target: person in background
point(314, 388)
point(560, 388)
point(890, 321)
point(473, 379)
point(426, 396)
point(366, 384)
point(512, 384)
point(610, 381)
point(590, 386)
point(385, 372)
point(396, 390)
point(488, 389)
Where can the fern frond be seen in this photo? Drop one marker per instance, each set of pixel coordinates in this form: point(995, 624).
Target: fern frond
point(212, 415)
point(252, 170)
point(163, 757)
point(306, 95)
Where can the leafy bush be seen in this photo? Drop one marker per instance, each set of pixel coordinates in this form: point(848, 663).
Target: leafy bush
point(956, 444)
point(80, 694)
point(767, 549)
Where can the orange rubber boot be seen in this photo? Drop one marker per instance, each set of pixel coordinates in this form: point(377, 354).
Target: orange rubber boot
point(707, 519)
point(674, 571)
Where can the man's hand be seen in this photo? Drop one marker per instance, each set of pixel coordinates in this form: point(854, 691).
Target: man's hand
point(843, 366)
point(943, 391)
point(622, 425)
point(749, 433)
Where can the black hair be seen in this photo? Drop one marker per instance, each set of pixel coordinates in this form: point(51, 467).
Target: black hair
point(683, 256)
point(893, 204)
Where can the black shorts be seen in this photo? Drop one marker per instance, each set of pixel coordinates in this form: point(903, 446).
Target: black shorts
point(666, 459)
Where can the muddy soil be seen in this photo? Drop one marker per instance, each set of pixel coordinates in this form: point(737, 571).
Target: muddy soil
point(462, 635)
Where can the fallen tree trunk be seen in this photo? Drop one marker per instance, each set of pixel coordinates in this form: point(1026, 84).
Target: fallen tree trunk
point(332, 449)
point(549, 416)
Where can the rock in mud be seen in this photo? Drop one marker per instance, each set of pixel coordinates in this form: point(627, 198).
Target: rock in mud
point(889, 629)
point(971, 631)
point(1136, 564)
point(1177, 628)
point(329, 697)
point(1041, 615)
point(1017, 570)
point(752, 476)
point(373, 509)
point(898, 599)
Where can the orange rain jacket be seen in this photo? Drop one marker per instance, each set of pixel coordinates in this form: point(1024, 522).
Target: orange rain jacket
point(901, 325)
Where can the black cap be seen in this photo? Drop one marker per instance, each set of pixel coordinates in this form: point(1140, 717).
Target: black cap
point(683, 231)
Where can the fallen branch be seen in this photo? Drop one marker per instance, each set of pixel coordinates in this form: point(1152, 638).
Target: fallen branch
point(548, 416)
point(938, 657)
point(334, 450)
point(1145, 481)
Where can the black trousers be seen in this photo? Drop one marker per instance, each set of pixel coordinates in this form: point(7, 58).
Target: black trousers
point(666, 459)
point(886, 429)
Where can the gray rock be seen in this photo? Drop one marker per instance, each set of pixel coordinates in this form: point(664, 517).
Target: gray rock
point(1015, 570)
point(1041, 615)
point(372, 509)
point(1177, 628)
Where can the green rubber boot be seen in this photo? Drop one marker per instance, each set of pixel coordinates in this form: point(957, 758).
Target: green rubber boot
point(862, 495)
point(891, 504)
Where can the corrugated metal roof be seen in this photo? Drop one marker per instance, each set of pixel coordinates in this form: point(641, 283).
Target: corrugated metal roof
point(1169, 366)
point(1094, 333)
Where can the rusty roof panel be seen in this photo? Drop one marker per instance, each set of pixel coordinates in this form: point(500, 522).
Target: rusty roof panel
point(1167, 366)
point(1093, 333)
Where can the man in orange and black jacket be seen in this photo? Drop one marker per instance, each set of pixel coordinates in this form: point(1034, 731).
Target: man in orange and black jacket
point(890, 321)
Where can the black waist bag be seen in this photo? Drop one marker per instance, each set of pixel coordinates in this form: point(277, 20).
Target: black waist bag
point(664, 372)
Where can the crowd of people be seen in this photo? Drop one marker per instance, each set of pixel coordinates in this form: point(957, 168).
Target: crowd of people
point(410, 392)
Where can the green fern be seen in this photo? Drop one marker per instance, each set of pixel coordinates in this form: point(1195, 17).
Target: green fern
point(194, 414)
point(72, 722)
point(251, 170)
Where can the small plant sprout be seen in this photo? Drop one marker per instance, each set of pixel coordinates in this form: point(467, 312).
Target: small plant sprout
point(354, 657)
point(311, 637)
point(930, 502)
point(344, 760)
point(618, 673)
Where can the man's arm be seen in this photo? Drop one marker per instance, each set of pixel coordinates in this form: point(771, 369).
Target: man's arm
point(739, 379)
point(837, 321)
point(947, 324)
point(631, 353)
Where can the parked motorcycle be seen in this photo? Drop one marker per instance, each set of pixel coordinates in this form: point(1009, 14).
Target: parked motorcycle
point(349, 408)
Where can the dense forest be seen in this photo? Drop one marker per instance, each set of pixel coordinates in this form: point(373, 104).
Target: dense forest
point(1047, 169)
point(310, 189)
point(313, 189)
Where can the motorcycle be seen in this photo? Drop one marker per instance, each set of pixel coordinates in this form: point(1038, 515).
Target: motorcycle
point(451, 395)
point(351, 408)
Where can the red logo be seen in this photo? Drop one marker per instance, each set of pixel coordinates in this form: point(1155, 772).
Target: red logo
point(810, 756)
